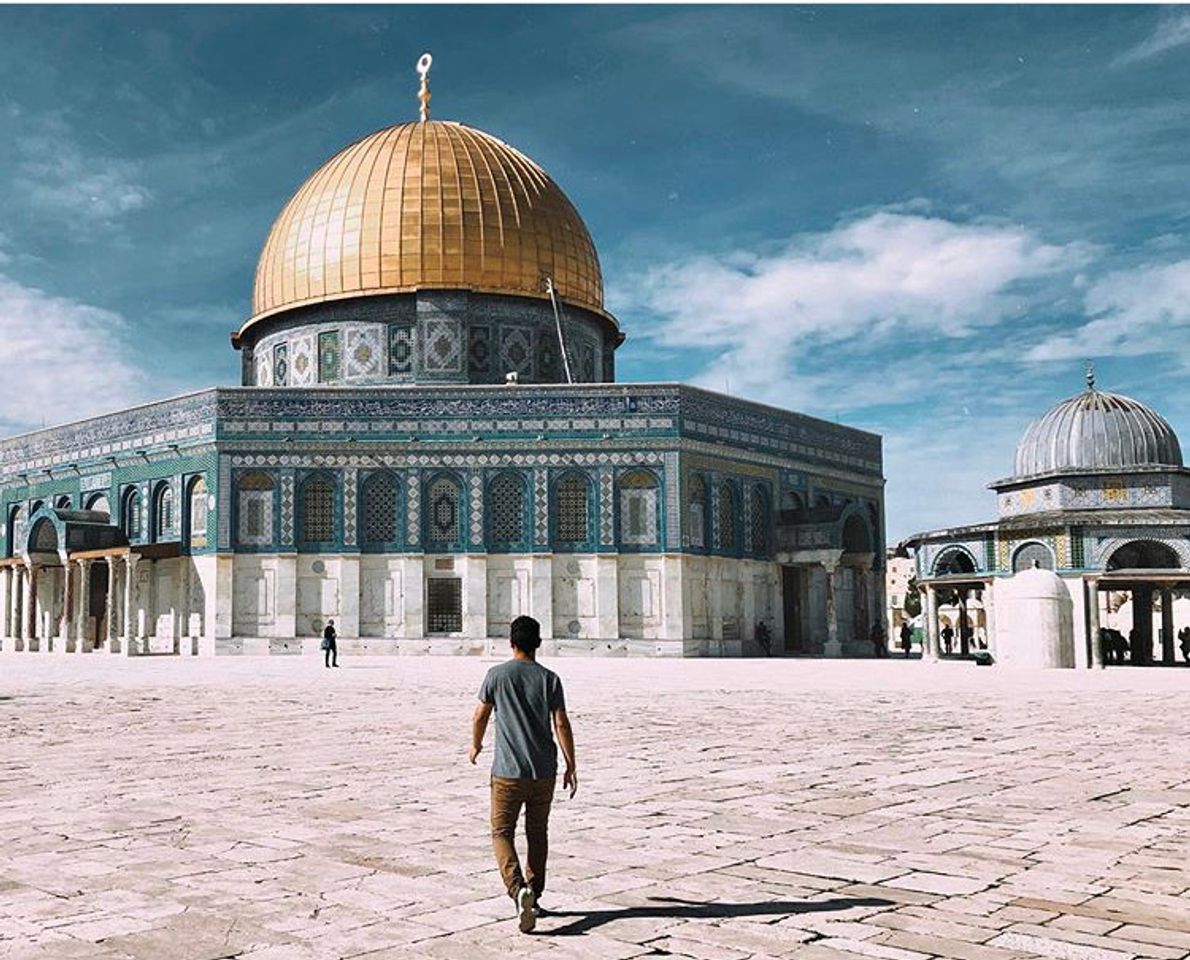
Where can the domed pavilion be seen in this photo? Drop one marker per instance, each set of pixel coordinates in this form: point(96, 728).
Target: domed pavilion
point(429, 441)
point(1100, 496)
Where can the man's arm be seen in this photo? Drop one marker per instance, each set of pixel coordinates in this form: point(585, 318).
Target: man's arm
point(566, 742)
point(479, 726)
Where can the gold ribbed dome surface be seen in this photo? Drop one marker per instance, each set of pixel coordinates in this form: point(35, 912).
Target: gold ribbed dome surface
point(426, 205)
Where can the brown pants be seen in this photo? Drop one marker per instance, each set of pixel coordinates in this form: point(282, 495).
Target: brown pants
point(507, 798)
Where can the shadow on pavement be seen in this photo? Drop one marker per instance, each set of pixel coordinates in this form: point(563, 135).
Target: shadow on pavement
point(673, 909)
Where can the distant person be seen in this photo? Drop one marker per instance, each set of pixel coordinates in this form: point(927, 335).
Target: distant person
point(879, 644)
point(981, 638)
point(330, 644)
point(526, 697)
point(1184, 643)
point(948, 638)
point(906, 638)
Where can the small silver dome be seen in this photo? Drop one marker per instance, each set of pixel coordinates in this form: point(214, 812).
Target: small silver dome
point(1097, 431)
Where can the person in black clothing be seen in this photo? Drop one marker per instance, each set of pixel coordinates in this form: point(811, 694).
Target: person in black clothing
point(906, 638)
point(329, 636)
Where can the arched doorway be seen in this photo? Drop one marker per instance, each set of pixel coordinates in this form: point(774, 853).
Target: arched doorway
point(1142, 629)
point(97, 588)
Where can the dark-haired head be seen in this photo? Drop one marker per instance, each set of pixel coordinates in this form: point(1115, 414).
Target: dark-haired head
point(526, 634)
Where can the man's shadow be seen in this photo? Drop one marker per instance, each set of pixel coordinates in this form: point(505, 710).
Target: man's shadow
point(673, 909)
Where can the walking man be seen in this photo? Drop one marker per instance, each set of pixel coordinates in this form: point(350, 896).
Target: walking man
point(526, 697)
point(906, 638)
point(330, 644)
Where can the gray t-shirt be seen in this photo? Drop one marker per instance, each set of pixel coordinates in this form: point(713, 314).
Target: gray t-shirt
point(525, 695)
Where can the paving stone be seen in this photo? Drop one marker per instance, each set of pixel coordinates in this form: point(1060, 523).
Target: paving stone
point(191, 810)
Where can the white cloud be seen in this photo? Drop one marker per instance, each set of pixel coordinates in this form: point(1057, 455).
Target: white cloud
point(59, 179)
point(1145, 310)
point(1171, 32)
point(852, 287)
point(60, 359)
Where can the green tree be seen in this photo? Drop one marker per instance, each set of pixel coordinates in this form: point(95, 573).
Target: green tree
point(912, 599)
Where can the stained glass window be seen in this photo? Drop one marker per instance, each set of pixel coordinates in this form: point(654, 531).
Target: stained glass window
point(1023, 559)
point(506, 509)
point(696, 512)
point(329, 358)
point(638, 508)
point(198, 513)
point(378, 507)
point(255, 526)
point(132, 524)
point(318, 511)
point(443, 512)
point(165, 511)
point(758, 521)
point(570, 504)
point(726, 517)
point(444, 605)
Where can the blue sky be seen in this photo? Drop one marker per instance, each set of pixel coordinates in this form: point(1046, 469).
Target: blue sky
point(918, 221)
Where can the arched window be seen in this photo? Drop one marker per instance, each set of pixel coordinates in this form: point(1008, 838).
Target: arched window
point(726, 517)
point(62, 502)
point(442, 512)
point(696, 512)
point(13, 530)
point(199, 510)
point(130, 514)
point(506, 510)
point(638, 508)
point(98, 503)
point(378, 509)
point(1031, 554)
point(318, 510)
point(758, 521)
point(953, 560)
point(1144, 555)
point(254, 502)
point(571, 498)
point(163, 512)
point(856, 538)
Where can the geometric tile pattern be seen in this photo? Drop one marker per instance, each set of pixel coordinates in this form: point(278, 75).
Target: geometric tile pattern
point(479, 349)
point(516, 350)
point(607, 510)
point(442, 348)
point(301, 364)
point(362, 353)
point(349, 494)
point(287, 508)
point(330, 357)
point(476, 519)
point(413, 507)
point(401, 343)
point(541, 507)
point(280, 364)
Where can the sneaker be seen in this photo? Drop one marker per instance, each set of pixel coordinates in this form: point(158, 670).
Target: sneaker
point(526, 900)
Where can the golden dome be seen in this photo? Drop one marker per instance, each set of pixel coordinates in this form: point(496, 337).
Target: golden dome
point(426, 205)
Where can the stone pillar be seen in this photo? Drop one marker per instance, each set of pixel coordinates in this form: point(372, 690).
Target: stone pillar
point(7, 641)
point(28, 604)
point(110, 616)
point(349, 596)
point(833, 647)
point(67, 617)
point(964, 595)
point(1141, 648)
point(932, 646)
point(675, 618)
point(541, 592)
point(217, 619)
point(83, 625)
point(1168, 657)
point(1093, 638)
point(474, 570)
point(129, 619)
point(413, 575)
point(863, 619)
point(286, 603)
point(607, 597)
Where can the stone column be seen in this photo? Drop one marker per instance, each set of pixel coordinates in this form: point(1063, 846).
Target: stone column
point(1141, 649)
point(607, 597)
point(833, 647)
point(932, 645)
point(28, 618)
point(128, 637)
point(7, 644)
point(1093, 624)
point(541, 592)
point(349, 595)
point(1168, 657)
point(67, 617)
point(83, 625)
point(110, 615)
point(14, 605)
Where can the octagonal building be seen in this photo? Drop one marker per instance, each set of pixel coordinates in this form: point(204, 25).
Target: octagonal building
point(429, 441)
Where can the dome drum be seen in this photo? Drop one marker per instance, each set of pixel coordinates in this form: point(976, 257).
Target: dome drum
point(440, 336)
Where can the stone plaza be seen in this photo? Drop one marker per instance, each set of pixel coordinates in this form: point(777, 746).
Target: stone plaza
point(267, 808)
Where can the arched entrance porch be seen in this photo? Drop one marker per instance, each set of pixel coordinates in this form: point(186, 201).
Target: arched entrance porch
point(1132, 607)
